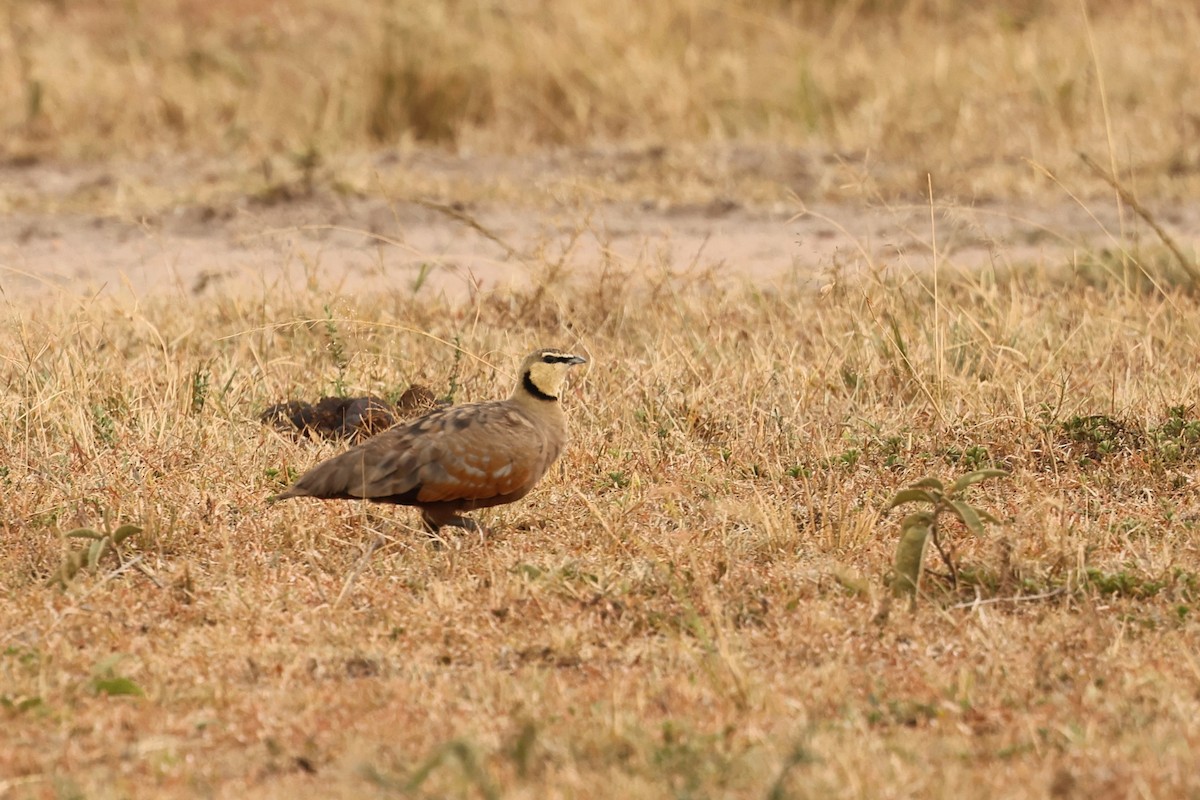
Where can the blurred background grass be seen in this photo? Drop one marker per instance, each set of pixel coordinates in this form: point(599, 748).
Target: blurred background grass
point(939, 84)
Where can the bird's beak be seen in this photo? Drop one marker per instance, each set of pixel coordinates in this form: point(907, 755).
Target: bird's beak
point(577, 360)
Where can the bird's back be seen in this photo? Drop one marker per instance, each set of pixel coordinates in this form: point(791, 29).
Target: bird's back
point(467, 454)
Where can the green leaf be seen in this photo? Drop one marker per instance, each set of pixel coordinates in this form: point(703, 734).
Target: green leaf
point(910, 495)
point(529, 571)
point(83, 533)
point(914, 534)
point(95, 551)
point(928, 483)
point(124, 532)
point(73, 563)
point(986, 517)
point(11, 703)
point(117, 686)
point(975, 477)
point(969, 516)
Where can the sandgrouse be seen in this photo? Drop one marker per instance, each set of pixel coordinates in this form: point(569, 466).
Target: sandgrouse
point(459, 458)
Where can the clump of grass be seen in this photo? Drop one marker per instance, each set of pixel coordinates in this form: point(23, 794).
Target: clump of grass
point(1099, 435)
point(1177, 438)
point(1096, 437)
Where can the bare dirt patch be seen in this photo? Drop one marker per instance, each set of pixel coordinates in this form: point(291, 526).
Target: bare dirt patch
point(287, 234)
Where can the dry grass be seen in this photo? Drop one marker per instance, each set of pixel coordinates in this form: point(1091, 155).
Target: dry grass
point(695, 604)
point(690, 607)
point(899, 89)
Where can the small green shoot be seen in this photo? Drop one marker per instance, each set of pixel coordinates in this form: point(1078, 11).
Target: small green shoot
point(285, 477)
point(618, 480)
point(424, 270)
point(307, 161)
point(457, 751)
point(454, 368)
point(19, 704)
point(103, 425)
point(105, 679)
point(919, 528)
point(200, 383)
point(337, 351)
point(98, 544)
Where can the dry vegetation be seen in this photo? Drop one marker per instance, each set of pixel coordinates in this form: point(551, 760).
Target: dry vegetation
point(897, 88)
point(693, 606)
point(696, 604)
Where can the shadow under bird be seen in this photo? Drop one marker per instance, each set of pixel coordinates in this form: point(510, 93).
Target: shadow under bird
point(460, 458)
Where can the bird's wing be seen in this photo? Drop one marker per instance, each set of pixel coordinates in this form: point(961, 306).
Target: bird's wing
point(489, 450)
point(470, 452)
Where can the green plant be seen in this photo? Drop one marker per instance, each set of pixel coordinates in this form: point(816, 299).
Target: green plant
point(18, 704)
point(1098, 435)
point(285, 476)
point(424, 270)
point(100, 543)
point(467, 756)
point(307, 160)
point(618, 479)
point(919, 528)
point(106, 680)
point(102, 424)
point(1178, 437)
point(455, 366)
point(337, 351)
point(201, 378)
point(974, 457)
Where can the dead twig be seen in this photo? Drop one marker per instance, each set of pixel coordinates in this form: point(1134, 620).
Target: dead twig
point(1025, 598)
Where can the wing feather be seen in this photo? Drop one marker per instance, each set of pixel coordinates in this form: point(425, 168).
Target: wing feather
point(492, 453)
point(465, 453)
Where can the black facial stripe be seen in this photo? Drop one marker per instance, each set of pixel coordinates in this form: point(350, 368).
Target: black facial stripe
point(557, 358)
point(532, 388)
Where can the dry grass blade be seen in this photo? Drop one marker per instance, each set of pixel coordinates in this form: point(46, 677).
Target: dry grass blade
point(471, 222)
point(1186, 264)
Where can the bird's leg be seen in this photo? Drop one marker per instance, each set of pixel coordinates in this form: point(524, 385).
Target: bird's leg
point(468, 524)
point(433, 524)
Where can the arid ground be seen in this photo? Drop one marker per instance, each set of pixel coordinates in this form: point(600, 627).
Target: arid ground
point(815, 252)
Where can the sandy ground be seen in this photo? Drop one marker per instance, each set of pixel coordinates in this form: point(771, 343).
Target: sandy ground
point(360, 243)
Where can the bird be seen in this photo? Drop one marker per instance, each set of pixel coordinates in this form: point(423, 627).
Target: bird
point(460, 458)
point(352, 418)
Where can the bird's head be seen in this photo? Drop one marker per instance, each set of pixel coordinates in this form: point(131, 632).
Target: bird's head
point(543, 372)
